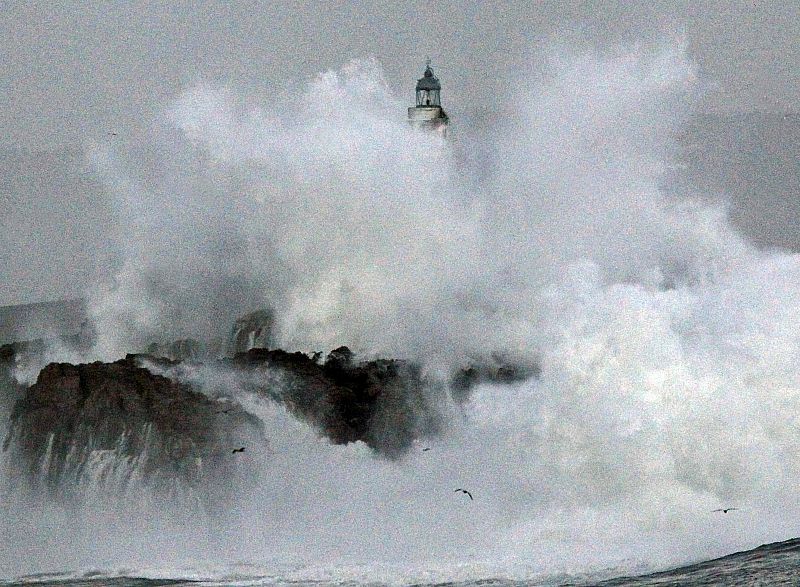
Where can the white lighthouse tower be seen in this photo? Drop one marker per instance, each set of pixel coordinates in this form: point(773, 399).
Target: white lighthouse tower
point(428, 113)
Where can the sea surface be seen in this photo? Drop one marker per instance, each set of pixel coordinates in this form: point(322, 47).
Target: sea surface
point(770, 564)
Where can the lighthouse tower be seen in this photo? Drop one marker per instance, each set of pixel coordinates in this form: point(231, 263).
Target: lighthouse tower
point(428, 113)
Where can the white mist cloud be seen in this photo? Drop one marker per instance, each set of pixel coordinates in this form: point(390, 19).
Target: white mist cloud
point(359, 230)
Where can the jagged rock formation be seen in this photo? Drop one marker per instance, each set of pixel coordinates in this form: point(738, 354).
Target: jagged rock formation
point(117, 426)
point(107, 425)
point(152, 422)
point(251, 331)
point(496, 370)
point(384, 403)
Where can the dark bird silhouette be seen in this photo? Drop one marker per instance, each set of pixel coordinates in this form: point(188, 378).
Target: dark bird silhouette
point(235, 450)
point(427, 448)
point(112, 134)
point(224, 411)
point(725, 510)
point(464, 491)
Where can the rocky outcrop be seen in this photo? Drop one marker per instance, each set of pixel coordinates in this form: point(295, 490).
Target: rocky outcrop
point(384, 403)
point(109, 424)
point(495, 370)
point(251, 331)
point(115, 426)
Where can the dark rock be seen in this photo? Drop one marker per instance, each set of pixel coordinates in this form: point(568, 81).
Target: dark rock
point(465, 379)
point(496, 370)
point(7, 352)
point(105, 424)
point(253, 330)
point(109, 422)
point(384, 403)
point(339, 359)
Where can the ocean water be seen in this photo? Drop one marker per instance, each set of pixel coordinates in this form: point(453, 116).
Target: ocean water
point(770, 564)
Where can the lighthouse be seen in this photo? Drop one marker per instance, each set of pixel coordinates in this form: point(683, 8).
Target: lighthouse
point(428, 113)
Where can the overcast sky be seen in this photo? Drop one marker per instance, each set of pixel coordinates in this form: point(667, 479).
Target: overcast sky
point(71, 69)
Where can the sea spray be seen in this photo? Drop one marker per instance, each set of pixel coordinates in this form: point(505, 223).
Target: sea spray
point(666, 345)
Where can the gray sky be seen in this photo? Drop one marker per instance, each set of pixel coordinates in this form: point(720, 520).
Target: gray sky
point(71, 69)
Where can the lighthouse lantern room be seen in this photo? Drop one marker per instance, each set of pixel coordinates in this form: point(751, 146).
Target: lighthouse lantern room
point(428, 113)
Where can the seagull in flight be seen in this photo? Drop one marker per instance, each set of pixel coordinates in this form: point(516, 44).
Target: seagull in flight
point(426, 449)
point(235, 450)
point(227, 411)
point(464, 491)
point(725, 510)
point(112, 134)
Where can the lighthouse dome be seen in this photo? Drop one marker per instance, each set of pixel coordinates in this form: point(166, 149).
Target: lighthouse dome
point(428, 81)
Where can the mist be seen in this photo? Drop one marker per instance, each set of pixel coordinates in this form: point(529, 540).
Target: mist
point(358, 230)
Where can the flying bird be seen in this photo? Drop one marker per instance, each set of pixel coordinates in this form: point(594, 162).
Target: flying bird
point(427, 448)
point(224, 411)
point(464, 491)
point(235, 450)
point(112, 134)
point(725, 510)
